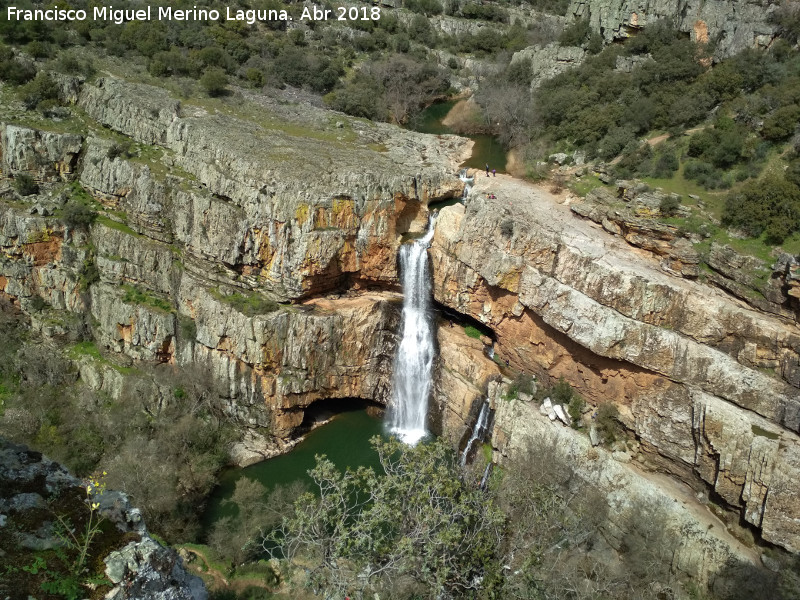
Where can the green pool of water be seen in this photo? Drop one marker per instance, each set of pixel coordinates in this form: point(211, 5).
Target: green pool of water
point(486, 149)
point(345, 441)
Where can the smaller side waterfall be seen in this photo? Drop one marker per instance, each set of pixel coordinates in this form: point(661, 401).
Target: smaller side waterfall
point(468, 181)
point(413, 365)
point(478, 433)
point(487, 471)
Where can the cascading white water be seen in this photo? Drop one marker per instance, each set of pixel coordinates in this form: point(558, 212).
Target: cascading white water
point(413, 365)
point(468, 181)
point(478, 432)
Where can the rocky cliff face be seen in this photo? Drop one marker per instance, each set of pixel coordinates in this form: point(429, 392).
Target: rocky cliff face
point(731, 25)
point(224, 240)
point(34, 491)
point(687, 366)
point(258, 241)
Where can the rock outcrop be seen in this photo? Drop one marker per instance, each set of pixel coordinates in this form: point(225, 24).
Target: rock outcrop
point(34, 491)
point(224, 240)
point(731, 25)
point(682, 362)
point(550, 60)
point(696, 542)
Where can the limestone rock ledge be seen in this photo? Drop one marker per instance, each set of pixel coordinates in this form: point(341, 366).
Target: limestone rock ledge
point(704, 549)
point(227, 237)
point(565, 298)
point(142, 569)
point(733, 25)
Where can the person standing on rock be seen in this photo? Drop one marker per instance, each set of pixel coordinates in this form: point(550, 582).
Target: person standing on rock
point(494, 173)
point(487, 169)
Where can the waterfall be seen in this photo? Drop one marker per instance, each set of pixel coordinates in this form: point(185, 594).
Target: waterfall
point(478, 433)
point(485, 479)
point(468, 181)
point(413, 365)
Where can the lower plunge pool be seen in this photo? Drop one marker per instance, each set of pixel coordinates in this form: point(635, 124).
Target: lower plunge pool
point(344, 440)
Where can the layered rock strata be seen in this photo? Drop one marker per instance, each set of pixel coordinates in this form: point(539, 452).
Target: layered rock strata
point(688, 367)
point(223, 240)
point(696, 543)
point(731, 25)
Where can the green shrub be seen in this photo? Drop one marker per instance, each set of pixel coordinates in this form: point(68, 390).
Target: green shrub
point(214, 82)
point(13, 70)
point(575, 409)
point(78, 215)
point(425, 7)
point(524, 382)
point(188, 327)
point(770, 205)
point(25, 185)
point(575, 34)
point(73, 64)
point(250, 304)
point(781, 124)
point(561, 392)
point(669, 206)
point(138, 295)
point(607, 422)
point(38, 91)
point(122, 149)
point(665, 165)
point(89, 274)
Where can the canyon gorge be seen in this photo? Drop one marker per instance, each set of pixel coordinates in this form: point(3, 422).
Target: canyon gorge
point(259, 242)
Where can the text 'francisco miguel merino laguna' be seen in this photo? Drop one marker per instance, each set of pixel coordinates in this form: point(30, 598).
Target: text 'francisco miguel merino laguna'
point(168, 13)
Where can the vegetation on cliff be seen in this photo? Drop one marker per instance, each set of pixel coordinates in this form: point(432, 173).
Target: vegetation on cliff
point(162, 441)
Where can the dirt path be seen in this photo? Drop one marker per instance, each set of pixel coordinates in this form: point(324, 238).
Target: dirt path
point(660, 138)
point(219, 580)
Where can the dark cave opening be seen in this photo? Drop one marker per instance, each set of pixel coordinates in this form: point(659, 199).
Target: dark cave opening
point(322, 410)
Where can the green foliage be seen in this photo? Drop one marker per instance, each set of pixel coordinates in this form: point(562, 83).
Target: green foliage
point(575, 34)
point(520, 72)
point(251, 304)
point(607, 421)
point(721, 146)
point(188, 327)
point(561, 392)
point(214, 81)
point(39, 92)
point(360, 97)
point(77, 215)
point(119, 149)
point(770, 205)
point(472, 332)
point(575, 409)
point(25, 185)
point(138, 295)
point(72, 63)
point(13, 70)
point(782, 123)
point(89, 274)
point(425, 7)
point(669, 206)
point(484, 11)
point(553, 7)
point(523, 383)
point(418, 518)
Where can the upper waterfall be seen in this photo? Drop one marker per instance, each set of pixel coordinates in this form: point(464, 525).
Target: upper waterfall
point(413, 365)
